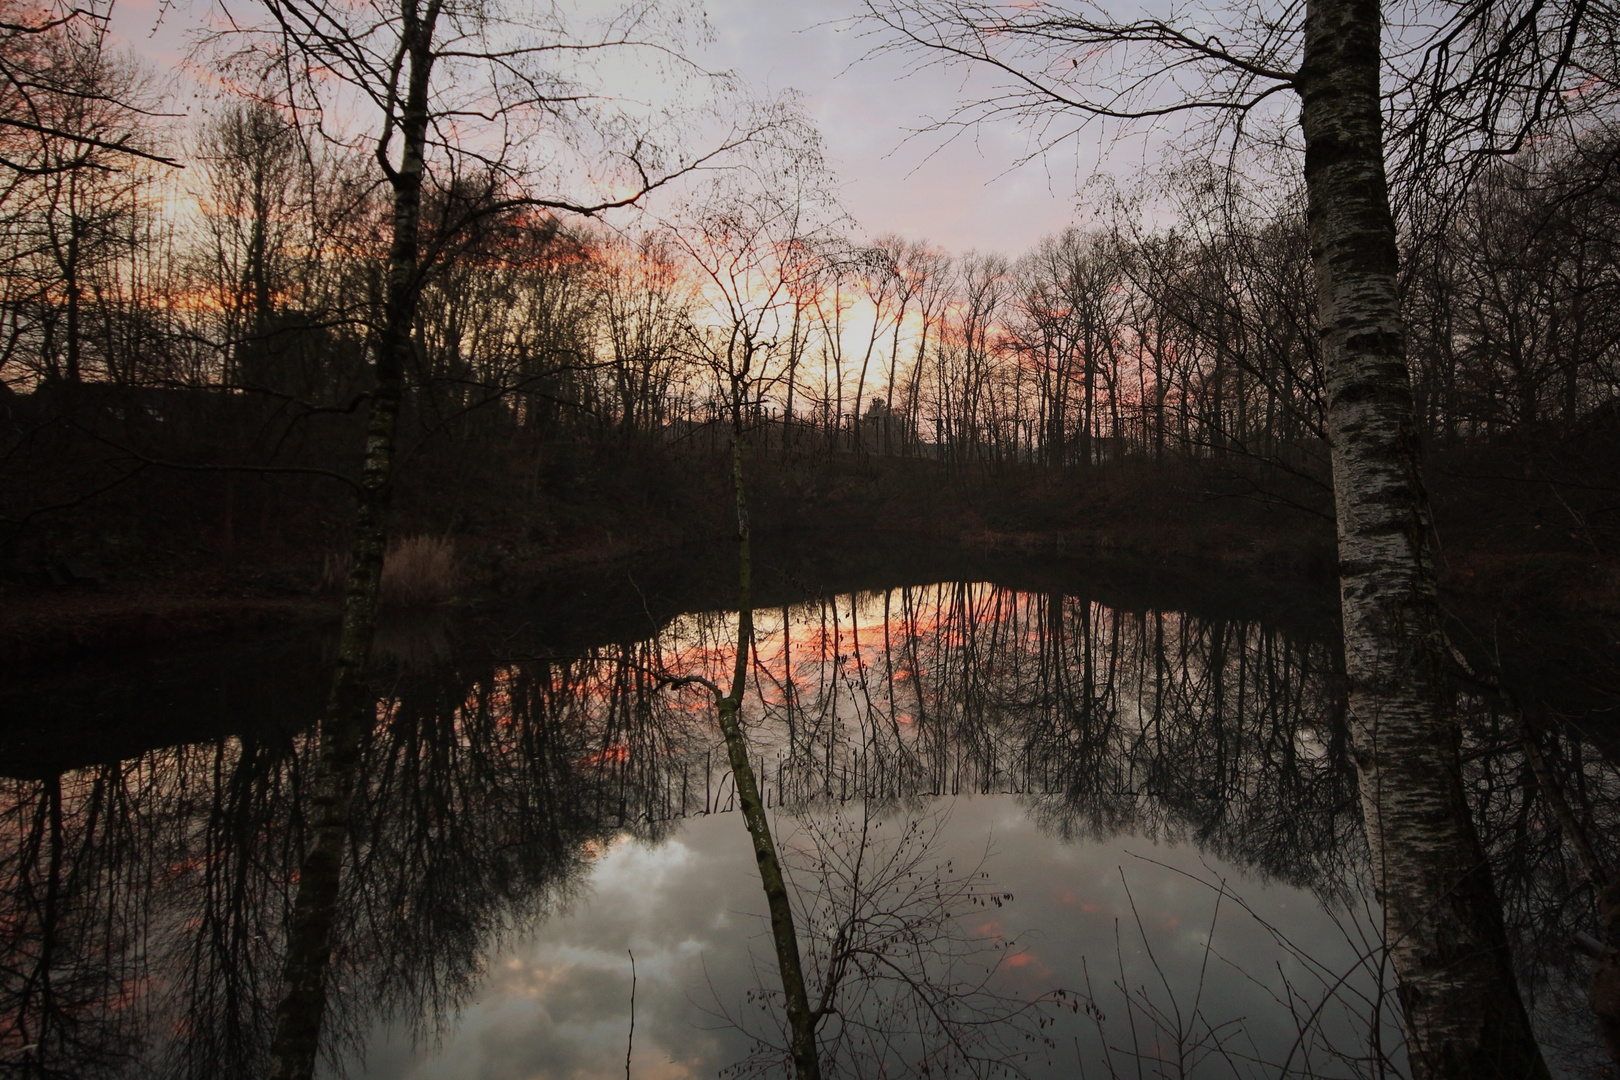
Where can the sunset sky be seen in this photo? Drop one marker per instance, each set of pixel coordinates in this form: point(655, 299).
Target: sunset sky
point(966, 195)
point(961, 197)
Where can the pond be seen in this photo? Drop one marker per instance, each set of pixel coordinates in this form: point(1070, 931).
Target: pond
point(1033, 826)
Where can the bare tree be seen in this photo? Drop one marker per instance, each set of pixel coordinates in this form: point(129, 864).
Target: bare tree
point(49, 60)
point(253, 163)
point(645, 310)
point(1067, 67)
point(752, 245)
point(903, 986)
point(1071, 303)
point(76, 203)
point(461, 94)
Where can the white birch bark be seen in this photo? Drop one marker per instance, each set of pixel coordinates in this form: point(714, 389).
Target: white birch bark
point(1442, 920)
point(302, 1009)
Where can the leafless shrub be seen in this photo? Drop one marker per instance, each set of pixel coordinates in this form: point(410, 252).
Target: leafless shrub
point(1345, 1019)
point(419, 571)
point(901, 985)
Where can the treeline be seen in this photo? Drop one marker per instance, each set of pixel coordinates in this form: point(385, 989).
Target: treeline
point(222, 316)
point(1196, 336)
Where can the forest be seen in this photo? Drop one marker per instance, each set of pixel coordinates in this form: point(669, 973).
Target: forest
point(433, 347)
point(185, 353)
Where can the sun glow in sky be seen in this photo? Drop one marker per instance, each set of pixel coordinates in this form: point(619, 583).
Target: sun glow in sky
point(961, 194)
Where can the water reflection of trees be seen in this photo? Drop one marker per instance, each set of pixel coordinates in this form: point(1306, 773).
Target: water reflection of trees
point(1221, 732)
point(68, 967)
point(1548, 897)
point(142, 902)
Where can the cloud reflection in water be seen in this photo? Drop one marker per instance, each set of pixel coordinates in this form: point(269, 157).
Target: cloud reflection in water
point(556, 1004)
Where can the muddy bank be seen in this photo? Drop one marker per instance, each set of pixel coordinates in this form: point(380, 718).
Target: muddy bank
point(44, 622)
point(42, 625)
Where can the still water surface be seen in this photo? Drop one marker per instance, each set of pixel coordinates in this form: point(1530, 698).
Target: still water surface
point(1031, 831)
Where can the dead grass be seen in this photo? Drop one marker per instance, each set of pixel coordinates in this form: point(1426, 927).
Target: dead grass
point(420, 571)
point(334, 572)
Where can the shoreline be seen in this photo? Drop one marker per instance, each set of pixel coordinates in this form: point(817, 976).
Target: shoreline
point(44, 624)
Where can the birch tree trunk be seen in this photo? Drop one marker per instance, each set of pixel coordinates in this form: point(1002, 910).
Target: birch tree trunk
point(802, 1020)
point(1442, 921)
point(349, 706)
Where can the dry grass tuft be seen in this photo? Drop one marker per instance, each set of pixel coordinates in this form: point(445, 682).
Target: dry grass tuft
point(419, 571)
point(334, 573)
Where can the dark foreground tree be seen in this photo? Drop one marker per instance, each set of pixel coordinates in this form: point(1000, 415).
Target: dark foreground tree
point(54, 67)
point(464, 94)
point(1443, 924)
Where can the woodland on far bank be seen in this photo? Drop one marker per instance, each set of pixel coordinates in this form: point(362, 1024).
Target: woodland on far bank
point(183, 392)
point(174, 553)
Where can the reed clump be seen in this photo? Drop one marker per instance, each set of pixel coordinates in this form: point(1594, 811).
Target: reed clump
point(419, 571)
